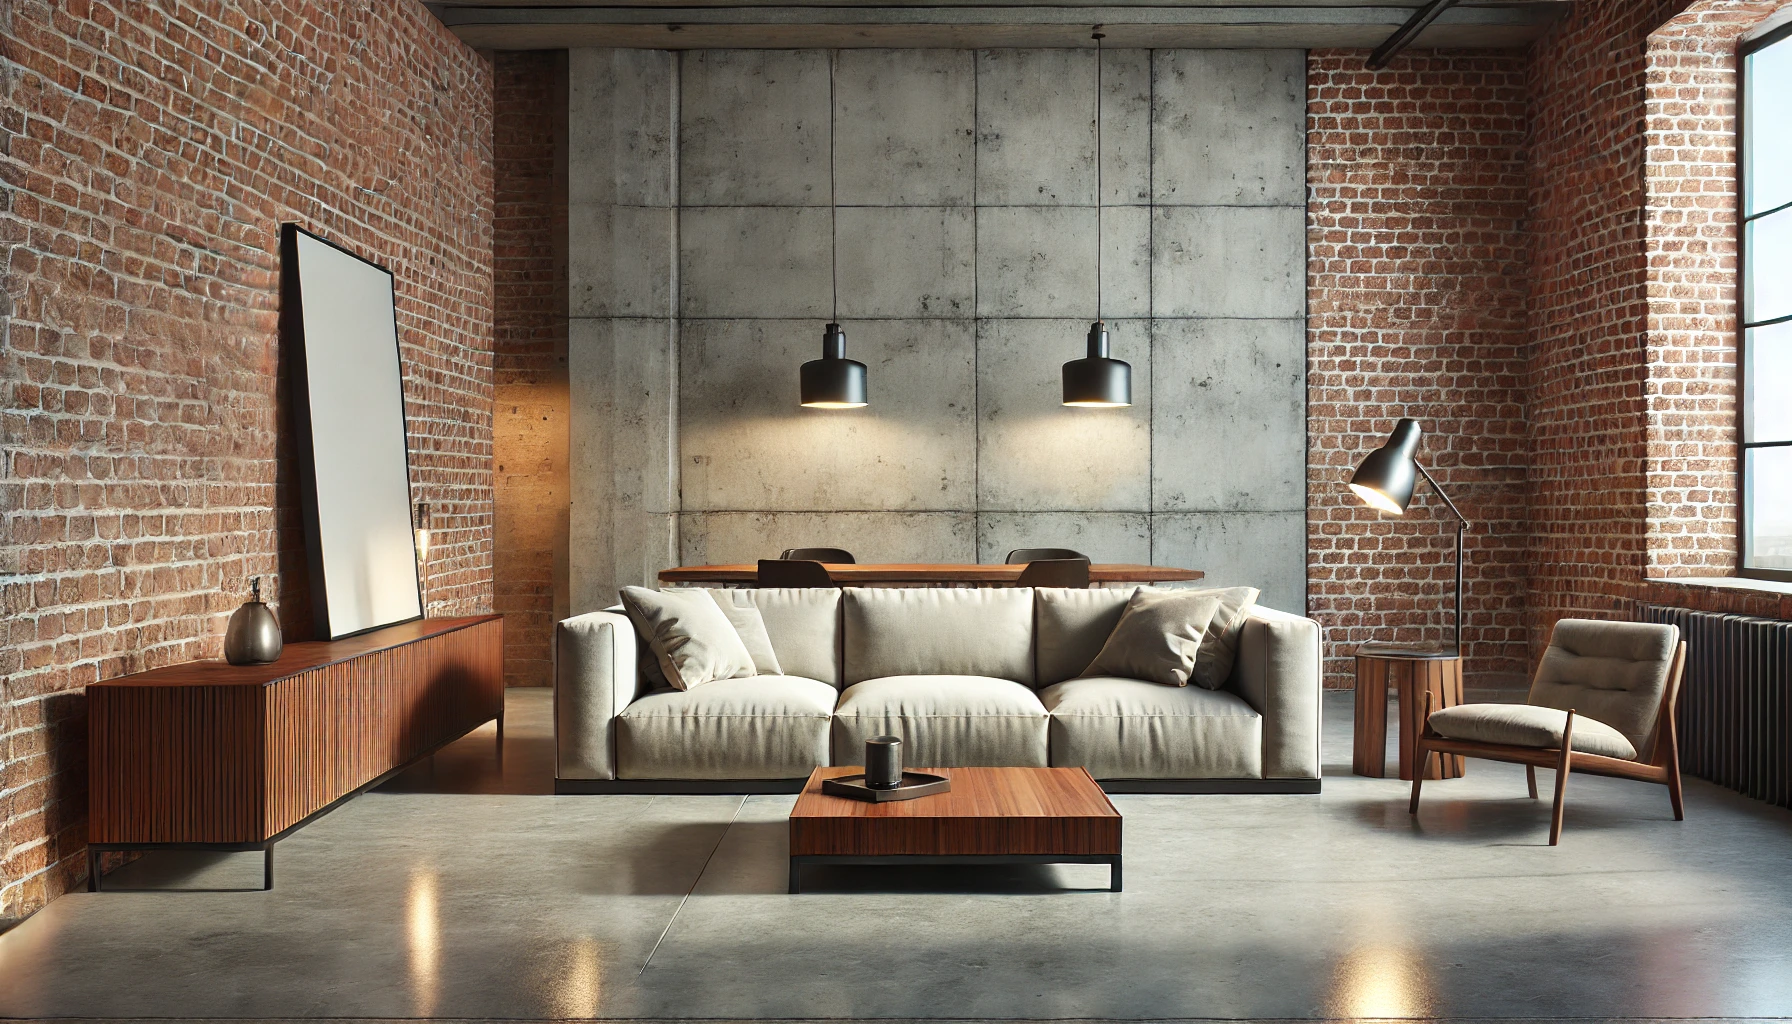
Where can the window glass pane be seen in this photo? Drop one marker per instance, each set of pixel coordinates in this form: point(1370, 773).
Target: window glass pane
point(1767, 133)
point(1768, 265)
point(1768, 508)
point(1767, 383)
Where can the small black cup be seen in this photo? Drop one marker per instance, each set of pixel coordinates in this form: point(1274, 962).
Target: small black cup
point(883, 762)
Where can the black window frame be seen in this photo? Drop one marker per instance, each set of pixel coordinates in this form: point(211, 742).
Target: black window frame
point(1743, 219)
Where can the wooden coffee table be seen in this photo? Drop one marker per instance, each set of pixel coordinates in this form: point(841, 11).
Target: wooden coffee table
point(991, 816)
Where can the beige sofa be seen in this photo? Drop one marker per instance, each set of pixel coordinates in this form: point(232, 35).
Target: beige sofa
point(964, 676)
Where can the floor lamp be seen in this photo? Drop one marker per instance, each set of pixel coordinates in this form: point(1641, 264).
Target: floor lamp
point(1385, 480)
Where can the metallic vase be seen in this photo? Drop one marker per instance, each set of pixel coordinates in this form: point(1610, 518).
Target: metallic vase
point(253, 637)
point(883, 762)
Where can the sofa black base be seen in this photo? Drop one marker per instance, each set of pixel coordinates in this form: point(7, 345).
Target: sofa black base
point(663, 786)
point(743, 786)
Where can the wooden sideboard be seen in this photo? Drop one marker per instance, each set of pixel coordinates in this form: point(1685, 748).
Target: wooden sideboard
point(216, 756)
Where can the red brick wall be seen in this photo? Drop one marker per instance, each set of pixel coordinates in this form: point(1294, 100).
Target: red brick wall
point(1416, 307)
point(1632, 369)
point(1690, 244)
point(149, 153)
point(1588, 310)
point(530, 432)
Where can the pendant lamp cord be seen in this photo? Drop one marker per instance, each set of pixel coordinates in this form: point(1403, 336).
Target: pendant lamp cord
point(833, 193)
point(1098, 36)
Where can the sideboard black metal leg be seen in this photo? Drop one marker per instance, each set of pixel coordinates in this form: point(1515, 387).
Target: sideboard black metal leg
point(1114, 876)
point(796, 876)
point(93, 870)
point(267, 868)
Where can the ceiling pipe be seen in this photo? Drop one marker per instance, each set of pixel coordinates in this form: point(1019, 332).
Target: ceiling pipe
point(1405, 34)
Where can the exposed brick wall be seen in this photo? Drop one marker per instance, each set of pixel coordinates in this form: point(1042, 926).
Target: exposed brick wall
point(1416, 307)
point(1690, 244)
point(531, 435)
point(149, 153)
point(1632, 313)
point(1588, 310)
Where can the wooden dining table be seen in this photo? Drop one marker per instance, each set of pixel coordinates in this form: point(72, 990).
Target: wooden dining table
point(868, 574)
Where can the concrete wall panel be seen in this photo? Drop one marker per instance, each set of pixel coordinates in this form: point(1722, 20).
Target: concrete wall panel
point(754, 128)
point(1238, 261)
point(1036, 261)
point(904, 127)
point(1266, 550)
point(622, 127)
point(755, 261)
point(1035, 127)
point(746, 444)
point(914, 261)
point(1229, 415)
point(1230, 127)
point(1033, 453)
point(623, 260)
point(1126, 128)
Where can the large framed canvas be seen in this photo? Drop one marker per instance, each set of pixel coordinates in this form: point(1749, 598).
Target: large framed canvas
point(339, 327)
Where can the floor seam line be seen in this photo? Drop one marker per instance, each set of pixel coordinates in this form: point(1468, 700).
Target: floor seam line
point(694, 883)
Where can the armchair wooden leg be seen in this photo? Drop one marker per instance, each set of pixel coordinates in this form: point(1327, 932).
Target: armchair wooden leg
point(1563, 766)
point(1530, 779)
point(1421, 755)
point(1674, 796)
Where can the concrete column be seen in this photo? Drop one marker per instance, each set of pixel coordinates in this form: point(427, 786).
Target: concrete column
point(623, 348)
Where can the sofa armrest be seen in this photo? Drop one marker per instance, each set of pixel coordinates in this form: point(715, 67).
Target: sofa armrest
point(1278, 674)
point(594, 679)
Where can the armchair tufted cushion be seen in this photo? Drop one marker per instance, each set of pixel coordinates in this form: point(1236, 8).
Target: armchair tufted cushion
point(1612, 672)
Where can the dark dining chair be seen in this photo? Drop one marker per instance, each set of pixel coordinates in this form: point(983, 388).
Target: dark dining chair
point(1020, 556)
point(1055, 572)
point(838, 556)
point(793, 572)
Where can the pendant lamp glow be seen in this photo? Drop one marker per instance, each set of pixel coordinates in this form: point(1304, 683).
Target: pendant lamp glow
point(834, 381)
point(1098, 381)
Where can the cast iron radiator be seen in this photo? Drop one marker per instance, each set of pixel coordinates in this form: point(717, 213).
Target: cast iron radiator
point(1735, 701)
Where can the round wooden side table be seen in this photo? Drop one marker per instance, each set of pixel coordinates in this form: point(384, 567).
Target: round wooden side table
point(1410, 672)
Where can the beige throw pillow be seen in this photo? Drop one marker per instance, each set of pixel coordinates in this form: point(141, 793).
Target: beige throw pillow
point(691, 638)
point(1157, 638)
point(1219, 647)
point(749, 622)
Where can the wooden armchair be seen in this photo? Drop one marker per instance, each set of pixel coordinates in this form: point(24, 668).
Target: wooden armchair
point(1602, 703)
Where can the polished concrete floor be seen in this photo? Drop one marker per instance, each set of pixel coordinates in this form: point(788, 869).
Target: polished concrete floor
point(463, 889)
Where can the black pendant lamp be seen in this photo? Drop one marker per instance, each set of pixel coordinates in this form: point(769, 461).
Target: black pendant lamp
point(1098, 381)
point(834, 381)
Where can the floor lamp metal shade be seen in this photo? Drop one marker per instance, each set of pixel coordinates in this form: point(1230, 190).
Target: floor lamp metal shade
point(1386, 478)
point(1097, 381)
point(834, 381)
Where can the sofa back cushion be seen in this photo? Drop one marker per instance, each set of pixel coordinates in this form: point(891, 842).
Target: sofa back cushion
point(804, 627)
point(1072, 625)
point(937, 631)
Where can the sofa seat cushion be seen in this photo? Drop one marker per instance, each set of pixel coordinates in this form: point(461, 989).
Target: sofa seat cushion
point(1526, 725)
point(1134, 729)
point(759, 727)
point(944, 721)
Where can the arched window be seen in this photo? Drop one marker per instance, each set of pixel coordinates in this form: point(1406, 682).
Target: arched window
point(1767, 306)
